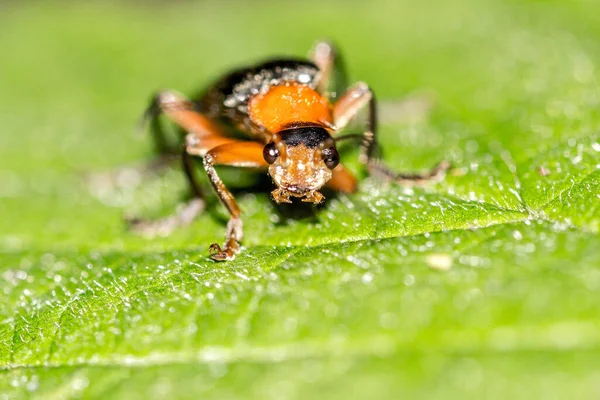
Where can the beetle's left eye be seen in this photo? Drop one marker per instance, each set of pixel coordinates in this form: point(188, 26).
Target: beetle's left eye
point(331, 157)
point(270, 153)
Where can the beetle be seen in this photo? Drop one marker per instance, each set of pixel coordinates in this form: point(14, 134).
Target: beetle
point(290, 112)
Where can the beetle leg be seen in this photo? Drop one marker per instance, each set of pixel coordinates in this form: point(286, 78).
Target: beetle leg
point(182, 111)
point(343, 180)
point(238, 154)
point(205, 135)
point(185, 214)
point(150, 118)
point(415, 178)
point(333, 79)
point(167, 153)
point(347, 107)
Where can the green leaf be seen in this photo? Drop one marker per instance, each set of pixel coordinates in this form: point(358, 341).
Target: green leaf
point(484, 285)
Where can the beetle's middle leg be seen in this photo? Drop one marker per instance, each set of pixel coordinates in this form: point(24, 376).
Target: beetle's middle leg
point(206, 135)
point(185, 214)
point(347, 107)
point(166, 151)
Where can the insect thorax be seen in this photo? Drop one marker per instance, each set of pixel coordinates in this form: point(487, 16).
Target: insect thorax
point(228, 98)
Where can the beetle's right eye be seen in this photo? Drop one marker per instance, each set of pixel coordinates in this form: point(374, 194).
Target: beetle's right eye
point(270, 153)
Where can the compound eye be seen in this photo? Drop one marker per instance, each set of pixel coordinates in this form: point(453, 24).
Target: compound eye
point(331, 157)
point(270, 153)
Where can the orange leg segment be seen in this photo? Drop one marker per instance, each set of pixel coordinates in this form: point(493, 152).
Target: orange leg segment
point(342, 180)
point(204, 139)
point(204, 134)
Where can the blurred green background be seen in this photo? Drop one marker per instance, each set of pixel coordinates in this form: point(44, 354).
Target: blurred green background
point(484, 285)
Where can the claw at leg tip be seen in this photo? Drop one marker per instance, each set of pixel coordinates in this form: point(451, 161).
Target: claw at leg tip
point(218, 254)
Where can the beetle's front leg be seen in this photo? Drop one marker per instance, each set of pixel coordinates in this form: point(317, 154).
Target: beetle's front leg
point(347, 107)
point(239, 154)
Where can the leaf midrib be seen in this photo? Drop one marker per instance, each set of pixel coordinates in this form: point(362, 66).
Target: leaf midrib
point(375, 345)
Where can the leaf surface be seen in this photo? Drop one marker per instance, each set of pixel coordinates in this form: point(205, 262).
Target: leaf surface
point(486, 284)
